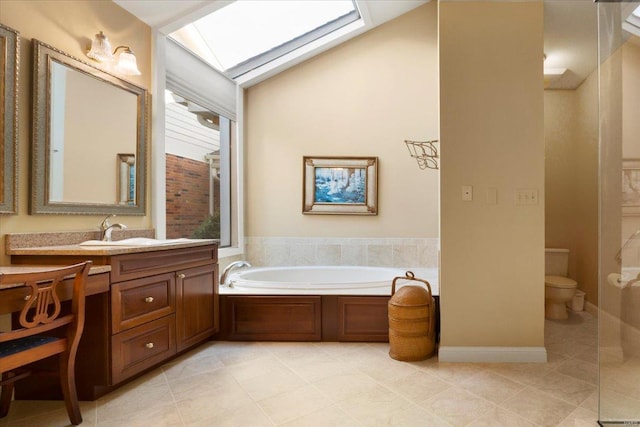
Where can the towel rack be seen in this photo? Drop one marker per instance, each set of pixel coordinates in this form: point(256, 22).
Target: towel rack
point(425, 152)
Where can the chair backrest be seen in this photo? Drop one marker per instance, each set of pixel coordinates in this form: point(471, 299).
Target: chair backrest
point(42, 308)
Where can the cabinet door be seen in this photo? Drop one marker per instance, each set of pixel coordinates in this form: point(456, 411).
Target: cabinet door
point(197, 305)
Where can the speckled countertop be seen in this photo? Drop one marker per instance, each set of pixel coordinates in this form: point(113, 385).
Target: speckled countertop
point(106, 250)
point(67, 243)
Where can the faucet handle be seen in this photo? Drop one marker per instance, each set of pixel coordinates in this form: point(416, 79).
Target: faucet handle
point(105, 222)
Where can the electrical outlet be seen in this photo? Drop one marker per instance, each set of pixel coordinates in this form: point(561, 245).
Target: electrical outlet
point(467, 193)
point(526, 196)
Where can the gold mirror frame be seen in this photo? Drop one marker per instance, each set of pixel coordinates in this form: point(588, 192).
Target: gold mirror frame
point(9, 67)
point(43, 55)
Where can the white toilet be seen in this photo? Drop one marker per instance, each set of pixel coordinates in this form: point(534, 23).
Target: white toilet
point(558, 288)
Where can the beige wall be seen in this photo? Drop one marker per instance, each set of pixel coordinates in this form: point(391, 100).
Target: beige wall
point(571, 179)
point(69, 26)
point(362, 98)
point(492, 132)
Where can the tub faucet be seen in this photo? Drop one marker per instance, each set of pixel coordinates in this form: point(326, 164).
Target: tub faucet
point(229, 268)
point(106, 228)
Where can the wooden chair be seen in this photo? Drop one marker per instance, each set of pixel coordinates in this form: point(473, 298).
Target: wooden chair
point(42, 332)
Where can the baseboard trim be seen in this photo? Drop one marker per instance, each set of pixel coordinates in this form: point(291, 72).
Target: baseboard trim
point(590, 308)
point(492, 354)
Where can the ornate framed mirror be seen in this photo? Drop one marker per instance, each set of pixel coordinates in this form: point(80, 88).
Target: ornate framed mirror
point(84, 119)
point(9, 65)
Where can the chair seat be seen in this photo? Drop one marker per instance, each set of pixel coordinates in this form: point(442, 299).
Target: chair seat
point(22, 344)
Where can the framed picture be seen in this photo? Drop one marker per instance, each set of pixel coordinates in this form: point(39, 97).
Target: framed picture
point(630, 187)
point(340, 185)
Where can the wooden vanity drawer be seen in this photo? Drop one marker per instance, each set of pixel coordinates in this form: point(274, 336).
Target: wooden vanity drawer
point(136, 302)
point(144, 264)
point(142, 347)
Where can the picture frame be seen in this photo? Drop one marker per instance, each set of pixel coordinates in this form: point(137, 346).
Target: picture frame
point(340, 185)
point(630, 187)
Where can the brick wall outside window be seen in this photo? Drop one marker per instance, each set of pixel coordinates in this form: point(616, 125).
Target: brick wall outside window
point(187, 195)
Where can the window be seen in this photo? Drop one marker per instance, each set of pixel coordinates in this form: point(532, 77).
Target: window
point(247, 34)
point(198, 169)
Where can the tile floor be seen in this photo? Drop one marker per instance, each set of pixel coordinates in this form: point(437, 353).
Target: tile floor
point(348, 384)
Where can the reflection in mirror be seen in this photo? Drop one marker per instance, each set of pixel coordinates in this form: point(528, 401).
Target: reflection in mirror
point(85, 119)
point(9, 60)
point(126, 170)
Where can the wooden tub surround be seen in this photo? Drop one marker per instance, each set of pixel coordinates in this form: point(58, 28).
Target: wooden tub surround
point(160, 301)
point(305, 318)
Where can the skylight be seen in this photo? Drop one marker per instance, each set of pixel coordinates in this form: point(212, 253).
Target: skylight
point(249, 33)
point(637, 12)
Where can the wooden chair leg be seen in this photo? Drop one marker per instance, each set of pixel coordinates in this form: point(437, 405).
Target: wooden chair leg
point(68, 383)
point(6, 393)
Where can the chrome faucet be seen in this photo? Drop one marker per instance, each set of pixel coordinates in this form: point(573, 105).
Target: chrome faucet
point(229, 268)
point(106, 229)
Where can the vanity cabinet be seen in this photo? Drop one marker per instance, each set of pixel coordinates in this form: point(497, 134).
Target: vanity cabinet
point(160, 303)
point(197, 305)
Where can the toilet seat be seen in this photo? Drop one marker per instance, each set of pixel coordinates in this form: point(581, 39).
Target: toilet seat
point(560, 282)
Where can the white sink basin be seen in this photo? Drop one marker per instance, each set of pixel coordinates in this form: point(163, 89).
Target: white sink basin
point(135, 241)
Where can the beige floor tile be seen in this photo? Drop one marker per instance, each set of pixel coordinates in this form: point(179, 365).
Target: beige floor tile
point(453, 373)
point(233, 353)
point(618, 407)
point(331, 416)
point(192, 366)
point(246, 371)
point(490, 386)
point(128, 401)
point(293, 404)
point(581, 417)
point(418, 386)
point(579, 369)
point(209, 382)
point(457, 406)
point(538, 407)
point(157, 416)
point(270, 383)
point(499, 417)
point(386, 370)
point(375, 407)
point(357, 384)
point(565, 388)
point(199, 408)
point(250, 415)
point(316, 367)
point(26, 413)
point(524, 373)
point(344, 386)
point(592, 401)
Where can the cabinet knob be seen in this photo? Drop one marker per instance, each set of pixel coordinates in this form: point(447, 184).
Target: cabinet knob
point(181, 276)
point(149, 345)
point(148, 299)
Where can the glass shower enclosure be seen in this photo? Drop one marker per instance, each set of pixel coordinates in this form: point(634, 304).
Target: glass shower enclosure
point(619, 246)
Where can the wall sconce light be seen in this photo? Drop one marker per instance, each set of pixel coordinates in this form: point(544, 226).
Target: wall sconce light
point(125, 61)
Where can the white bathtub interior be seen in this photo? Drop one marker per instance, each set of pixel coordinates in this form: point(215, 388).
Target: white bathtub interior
point(334, 280)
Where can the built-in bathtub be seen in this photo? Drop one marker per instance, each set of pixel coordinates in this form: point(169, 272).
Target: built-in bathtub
point(311, 303)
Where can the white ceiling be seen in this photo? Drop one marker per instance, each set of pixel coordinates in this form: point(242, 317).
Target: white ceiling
point(570, 33)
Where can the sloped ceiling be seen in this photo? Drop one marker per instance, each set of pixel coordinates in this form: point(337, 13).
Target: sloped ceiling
point(570, 27)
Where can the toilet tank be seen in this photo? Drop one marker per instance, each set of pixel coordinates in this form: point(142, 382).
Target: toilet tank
point(556, 262)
